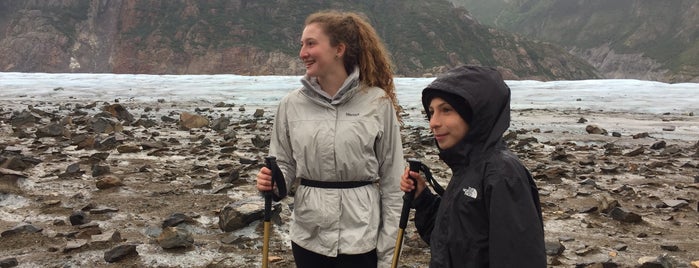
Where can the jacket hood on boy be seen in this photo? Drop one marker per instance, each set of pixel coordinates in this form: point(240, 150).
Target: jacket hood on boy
point(482, 89)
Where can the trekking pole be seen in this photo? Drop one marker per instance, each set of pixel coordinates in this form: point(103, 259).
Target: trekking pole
point(269, 162)
point(278, 179)
point(267, 223)
point(407, 200)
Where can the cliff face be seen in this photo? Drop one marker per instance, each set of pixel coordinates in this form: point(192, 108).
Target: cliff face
point(253, 38)
point(651, 40)
point(125, 37)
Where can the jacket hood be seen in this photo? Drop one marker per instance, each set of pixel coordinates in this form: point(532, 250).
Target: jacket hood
point(483, 89)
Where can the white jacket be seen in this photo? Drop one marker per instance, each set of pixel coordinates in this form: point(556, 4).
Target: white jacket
point(355, 136)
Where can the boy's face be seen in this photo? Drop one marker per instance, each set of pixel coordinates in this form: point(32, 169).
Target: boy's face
point(446, 124)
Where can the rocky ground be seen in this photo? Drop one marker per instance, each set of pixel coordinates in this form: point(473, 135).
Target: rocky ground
point(170, 184)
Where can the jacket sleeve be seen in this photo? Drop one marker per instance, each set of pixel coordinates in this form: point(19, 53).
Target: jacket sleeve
point(426, 205)
point(280, 144)
point(516, 226)
point(391, 164)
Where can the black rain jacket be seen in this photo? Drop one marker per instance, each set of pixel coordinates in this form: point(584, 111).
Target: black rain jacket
point(489, 215)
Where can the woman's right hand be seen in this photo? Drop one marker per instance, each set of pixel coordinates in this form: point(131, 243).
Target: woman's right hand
point(406, 183)
point(264, 180)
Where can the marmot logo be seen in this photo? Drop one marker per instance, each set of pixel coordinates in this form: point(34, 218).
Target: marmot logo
point(352, 114)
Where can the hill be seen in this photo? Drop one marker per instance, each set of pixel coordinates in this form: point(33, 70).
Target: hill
point(650, 40)
point(255, 38)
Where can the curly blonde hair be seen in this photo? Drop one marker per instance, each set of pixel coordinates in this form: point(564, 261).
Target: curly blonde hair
point(364, 48)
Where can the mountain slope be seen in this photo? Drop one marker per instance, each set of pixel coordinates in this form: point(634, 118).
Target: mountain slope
point(254, 38)
point(653, 40)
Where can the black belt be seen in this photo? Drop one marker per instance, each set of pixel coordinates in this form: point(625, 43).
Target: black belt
point(334, 184)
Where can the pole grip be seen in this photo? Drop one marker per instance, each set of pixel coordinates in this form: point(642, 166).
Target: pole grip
point(408, 197)
point(270, 162)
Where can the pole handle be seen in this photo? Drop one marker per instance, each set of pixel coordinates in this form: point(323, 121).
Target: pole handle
point(270, 161)
point(408, 197)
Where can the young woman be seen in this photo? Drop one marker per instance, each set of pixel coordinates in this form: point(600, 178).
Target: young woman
point(339, 134)
point(489, 215)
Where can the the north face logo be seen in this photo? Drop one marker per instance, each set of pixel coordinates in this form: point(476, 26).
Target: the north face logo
point(470, 192)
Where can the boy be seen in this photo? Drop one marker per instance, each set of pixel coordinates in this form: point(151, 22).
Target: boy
point(489, 215)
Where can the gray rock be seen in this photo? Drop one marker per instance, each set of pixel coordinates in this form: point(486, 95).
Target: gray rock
point(635, 152)
point(609, 169)
point(559, 154)
point(153, 145)
point(676, 203)
point(239, 214)
point(107, 144)
point(128, 148)
point(231, 176)
point(120, 252)
point(73, 168)
point(220, 124)
point(554, 248)
point(621, 214)
point(103, 210)
point(641, 135)
point(222, 188)
point(173, 237)
point(620, 247)
point(78, 218)
point(168, 119)
point(74, 244)
point(22, 229)
point(108, 181)
point(105, 125)
point(118, 111)
point(23, 119)
point(611, 149)
point(202, 184)
point(259, 113)
point(586, 250)
point(662, 261)
point(10, 180)
point(658, 145)
point(52, 130)
point(231, 136)
point(99, 170)
point(146, 123)
point(175, 219)
point(8, 262)
point(260, 142)
point(228, 149)
point(670, 247)
point(18, 162)
point(108, 237)
point(595, 129)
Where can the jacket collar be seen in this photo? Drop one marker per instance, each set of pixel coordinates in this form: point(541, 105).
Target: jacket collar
point(312, 88)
